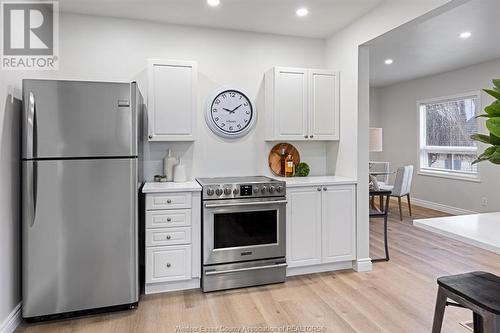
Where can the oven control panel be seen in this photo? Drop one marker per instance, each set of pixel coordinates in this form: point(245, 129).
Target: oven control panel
point(246, 190)
point(233, 191)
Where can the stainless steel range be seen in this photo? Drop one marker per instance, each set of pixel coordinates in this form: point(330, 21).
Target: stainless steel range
point(243, 232)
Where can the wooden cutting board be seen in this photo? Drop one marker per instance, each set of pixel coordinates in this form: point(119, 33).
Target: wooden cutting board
point(275, 157)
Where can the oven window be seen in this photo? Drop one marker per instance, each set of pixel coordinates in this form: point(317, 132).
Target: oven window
point(245, 229)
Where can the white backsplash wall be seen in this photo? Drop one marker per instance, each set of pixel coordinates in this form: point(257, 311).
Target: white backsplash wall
point(211, 159)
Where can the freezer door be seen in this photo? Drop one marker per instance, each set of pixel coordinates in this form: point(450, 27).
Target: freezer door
point(79, 235)
point(78, 119)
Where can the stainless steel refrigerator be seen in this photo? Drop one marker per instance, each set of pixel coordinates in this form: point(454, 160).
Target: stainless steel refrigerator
point(80, 184)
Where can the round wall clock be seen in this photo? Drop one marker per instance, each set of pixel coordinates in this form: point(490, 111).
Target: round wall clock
point(230, 113)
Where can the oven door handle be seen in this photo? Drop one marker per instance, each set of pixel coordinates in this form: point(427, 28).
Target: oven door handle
point(253, 203)
point(208, 273)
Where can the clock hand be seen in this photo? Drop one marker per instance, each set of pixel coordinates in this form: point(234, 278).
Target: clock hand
point(230, 111)
point(236, 108)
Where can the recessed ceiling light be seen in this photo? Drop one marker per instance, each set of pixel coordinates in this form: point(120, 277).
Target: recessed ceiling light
point(388, 61)
point(465, 34)
point(213, 3)
point(301, 12)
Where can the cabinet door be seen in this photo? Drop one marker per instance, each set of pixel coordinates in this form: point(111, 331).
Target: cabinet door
point(172, 100)
point(303, 227)
point(339, 223)
point(168, 263)
point(324, 105)
point(290, 117)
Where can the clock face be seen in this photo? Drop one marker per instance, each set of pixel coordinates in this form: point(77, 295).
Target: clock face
point(230, 113)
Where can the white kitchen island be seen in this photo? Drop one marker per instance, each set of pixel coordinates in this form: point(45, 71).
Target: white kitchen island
point(481, 230)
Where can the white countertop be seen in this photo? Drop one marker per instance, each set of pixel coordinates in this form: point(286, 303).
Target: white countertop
point(317, 181)
point(480, 230)
point(153, 187)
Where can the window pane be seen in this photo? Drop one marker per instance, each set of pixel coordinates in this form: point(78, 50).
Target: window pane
point(463, 162)
point(452, 162)
point(451, 123)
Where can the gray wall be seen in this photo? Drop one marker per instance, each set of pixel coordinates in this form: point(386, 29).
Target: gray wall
point(396, 110)
point(375, 117)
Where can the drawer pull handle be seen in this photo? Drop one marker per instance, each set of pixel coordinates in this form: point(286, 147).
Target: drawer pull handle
point(168, 265)
point(169, 201)
point(319, 189)
point(169, 219)
point(168, 237)
point(324, 188)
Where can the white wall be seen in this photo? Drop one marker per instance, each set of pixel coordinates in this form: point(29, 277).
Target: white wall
point(400, 118)
point(98, 48)
point(119, 49)
point(344, 54)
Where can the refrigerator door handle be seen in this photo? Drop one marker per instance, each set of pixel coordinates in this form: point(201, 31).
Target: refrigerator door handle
point(32, 184)
point(31, 133)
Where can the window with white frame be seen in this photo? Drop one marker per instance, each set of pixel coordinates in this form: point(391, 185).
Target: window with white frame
point(446, 125)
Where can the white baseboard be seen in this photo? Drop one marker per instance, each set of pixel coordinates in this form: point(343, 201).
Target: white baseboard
point(163, 287)
point(362, 265)
point(440, 207)
point(10, 323)
point(320, 268)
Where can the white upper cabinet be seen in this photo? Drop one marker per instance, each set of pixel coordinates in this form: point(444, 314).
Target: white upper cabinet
point(301, 104)
point(172, 96)
point(291, 98)
point(324, 105)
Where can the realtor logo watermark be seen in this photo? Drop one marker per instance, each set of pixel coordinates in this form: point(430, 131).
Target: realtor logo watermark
point(30, 35)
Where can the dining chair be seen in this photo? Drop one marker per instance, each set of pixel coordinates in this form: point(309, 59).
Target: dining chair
point(380, 167)
point(401, 187)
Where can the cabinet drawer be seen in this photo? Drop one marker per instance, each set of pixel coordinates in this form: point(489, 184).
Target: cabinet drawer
point(168, 218)
point(168, 201)
point(168, 263)
point(168, 236)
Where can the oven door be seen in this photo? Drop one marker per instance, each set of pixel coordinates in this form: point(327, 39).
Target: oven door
point(243, 229)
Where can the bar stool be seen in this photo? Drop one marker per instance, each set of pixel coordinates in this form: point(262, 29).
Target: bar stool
point(477, 291)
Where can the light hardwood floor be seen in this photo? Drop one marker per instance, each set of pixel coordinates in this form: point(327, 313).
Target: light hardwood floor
point(397, 296)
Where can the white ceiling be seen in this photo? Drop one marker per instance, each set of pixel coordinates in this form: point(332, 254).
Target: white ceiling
point(433, 46)
point(266, 16)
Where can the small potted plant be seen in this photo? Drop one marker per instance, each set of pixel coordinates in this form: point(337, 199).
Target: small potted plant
point(492, 114)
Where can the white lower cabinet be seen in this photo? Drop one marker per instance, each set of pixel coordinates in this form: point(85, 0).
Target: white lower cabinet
point(168, 263)
point(303, 227)
point(173, 241)
point(338, 223)
point(321, 225)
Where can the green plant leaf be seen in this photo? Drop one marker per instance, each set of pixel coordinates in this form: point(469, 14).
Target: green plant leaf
point(481, 138)
point(486, 116)
point(496, 82)
point(493, 93)
point(495, 140)
point(493, 125)
point(493, 109)
point(486, 155)
point(488, 152)
point(495, 157)
point(480, 159)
